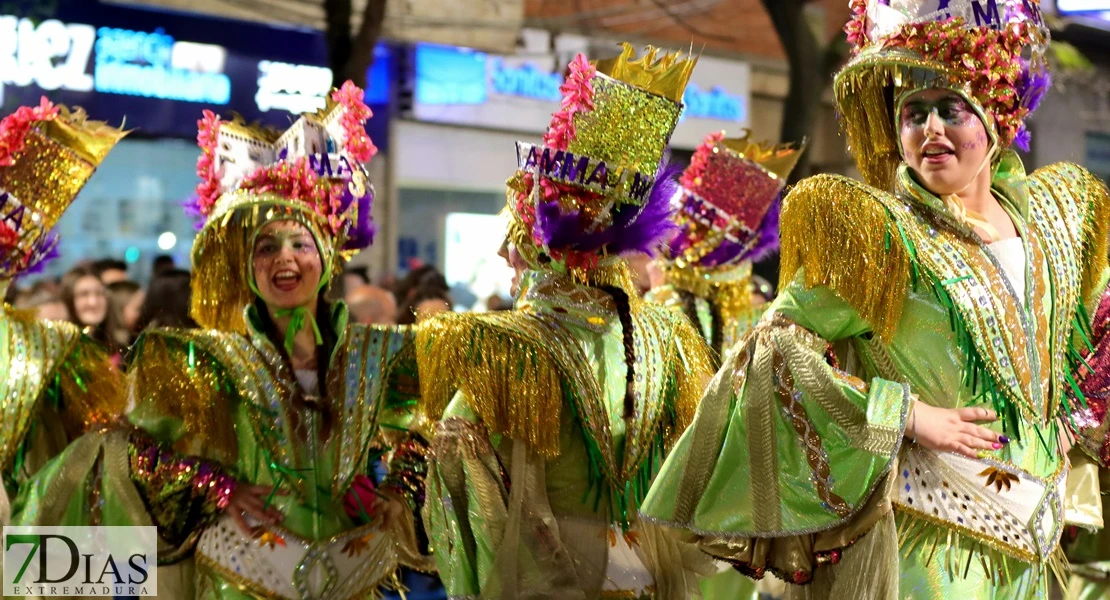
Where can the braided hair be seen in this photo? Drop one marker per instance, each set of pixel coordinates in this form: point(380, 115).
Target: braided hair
point(624, 311)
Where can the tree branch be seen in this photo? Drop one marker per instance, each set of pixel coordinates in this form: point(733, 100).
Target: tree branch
point(362, 50)
point(337, 33)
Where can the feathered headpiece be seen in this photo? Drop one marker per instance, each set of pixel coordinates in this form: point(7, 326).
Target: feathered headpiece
point(992, 52)
point(598, 186)
point(47, 154)
point(314, 173)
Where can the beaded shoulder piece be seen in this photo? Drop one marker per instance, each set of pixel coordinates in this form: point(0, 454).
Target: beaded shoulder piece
point(843, 235)
point(38, 354)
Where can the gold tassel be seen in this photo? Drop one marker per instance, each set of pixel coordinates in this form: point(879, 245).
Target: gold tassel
point(510, 368)
point(840, 233)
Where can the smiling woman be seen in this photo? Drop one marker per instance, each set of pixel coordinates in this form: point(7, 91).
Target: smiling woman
point(278, 399)
point(920, 351)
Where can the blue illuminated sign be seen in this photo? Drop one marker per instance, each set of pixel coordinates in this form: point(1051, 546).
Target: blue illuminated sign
point(526, 81)
point(449, 75)
point(137, 63)
point(717, 104)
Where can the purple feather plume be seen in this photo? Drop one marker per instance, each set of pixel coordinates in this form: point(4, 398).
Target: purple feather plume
point(191, 206)
point(634, 228)
point(361, 233)
point(1033, 86)
point(43, 251)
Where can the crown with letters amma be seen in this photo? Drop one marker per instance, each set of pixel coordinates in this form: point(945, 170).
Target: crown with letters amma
point(992, 52)
point(47, 154)
point(596, 186)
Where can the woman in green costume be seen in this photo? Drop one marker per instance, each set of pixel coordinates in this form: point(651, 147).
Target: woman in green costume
point(558, 413)
point(894, 426)
point(55, 383)
point(256, 435)
point(728, 218)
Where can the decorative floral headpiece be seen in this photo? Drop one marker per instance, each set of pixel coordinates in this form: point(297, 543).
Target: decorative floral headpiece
point(598, 186)
point(990, 51)
point(313, 172)
point(728, 208)
point(47, 154)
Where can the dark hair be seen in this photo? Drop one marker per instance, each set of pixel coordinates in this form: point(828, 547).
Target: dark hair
point(107, 264)
point(119, 294)
point(163, 263)
point(418, 280)
point(100, 332)
point(690, 308)
point(329, 337)
point(406, 313)
point(624, 311)
point(167, 302)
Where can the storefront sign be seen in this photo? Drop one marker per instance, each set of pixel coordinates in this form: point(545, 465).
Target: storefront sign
point(158, 71)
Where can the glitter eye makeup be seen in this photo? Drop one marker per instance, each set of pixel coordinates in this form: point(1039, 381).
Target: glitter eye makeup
point(952, 111)
point(271, 244)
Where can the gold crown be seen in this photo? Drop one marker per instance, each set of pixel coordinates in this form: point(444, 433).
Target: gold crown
point(779, 159)
point(665, 75)
point(57, 158)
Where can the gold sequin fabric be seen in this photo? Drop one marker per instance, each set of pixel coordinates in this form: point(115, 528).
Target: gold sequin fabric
point(37, 354)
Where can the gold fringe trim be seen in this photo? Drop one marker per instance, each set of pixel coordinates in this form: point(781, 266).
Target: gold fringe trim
point(1096, 235)
point(839, 232)
point(507, 364)
point(167, 380)
point(693, 376)
point(958, 551)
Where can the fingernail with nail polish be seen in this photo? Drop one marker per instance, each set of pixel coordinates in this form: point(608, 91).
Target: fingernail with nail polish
point(1003, 439)
point(996, 445)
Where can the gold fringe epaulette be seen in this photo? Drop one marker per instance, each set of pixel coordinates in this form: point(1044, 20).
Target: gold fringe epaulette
point(175, 375)
point(513, 367)
point(1094, 211)
point(842, 234)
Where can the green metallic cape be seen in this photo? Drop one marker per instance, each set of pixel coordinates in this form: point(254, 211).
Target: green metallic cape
point(226, 398)
point(55, 384)
point(791, 454)
point(535, 464)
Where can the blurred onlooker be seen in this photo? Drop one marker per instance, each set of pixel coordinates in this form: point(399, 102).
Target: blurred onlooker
point(86, 299)
point(167, 302)
point(425, 278)
point(371, 305)
point(424, 302)
point(495, 303)
point(46, 304)
point(354, 278)
point(162, 263)
point(110, 270)
point(124, 300)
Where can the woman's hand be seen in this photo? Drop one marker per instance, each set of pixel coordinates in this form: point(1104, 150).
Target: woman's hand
point(250, 500)
point(953, 429)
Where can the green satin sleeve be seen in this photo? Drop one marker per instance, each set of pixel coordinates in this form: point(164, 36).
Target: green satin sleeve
point(785, 442)
point(464, 482)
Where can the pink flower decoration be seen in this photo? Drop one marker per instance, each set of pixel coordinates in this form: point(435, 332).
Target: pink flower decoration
point(15, 127)
point(208, 190)
point(359, 145)
point(361, 499)
point(578, 96)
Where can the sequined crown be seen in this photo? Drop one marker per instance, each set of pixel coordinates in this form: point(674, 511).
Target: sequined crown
point(992, 51)
point(317, 163)
point(47, 154)
point(728, 207)
point(595, 185)
point(312, 173)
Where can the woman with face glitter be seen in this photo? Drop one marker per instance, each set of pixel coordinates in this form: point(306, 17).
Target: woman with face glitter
point(897, 425)
point(255, 436)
